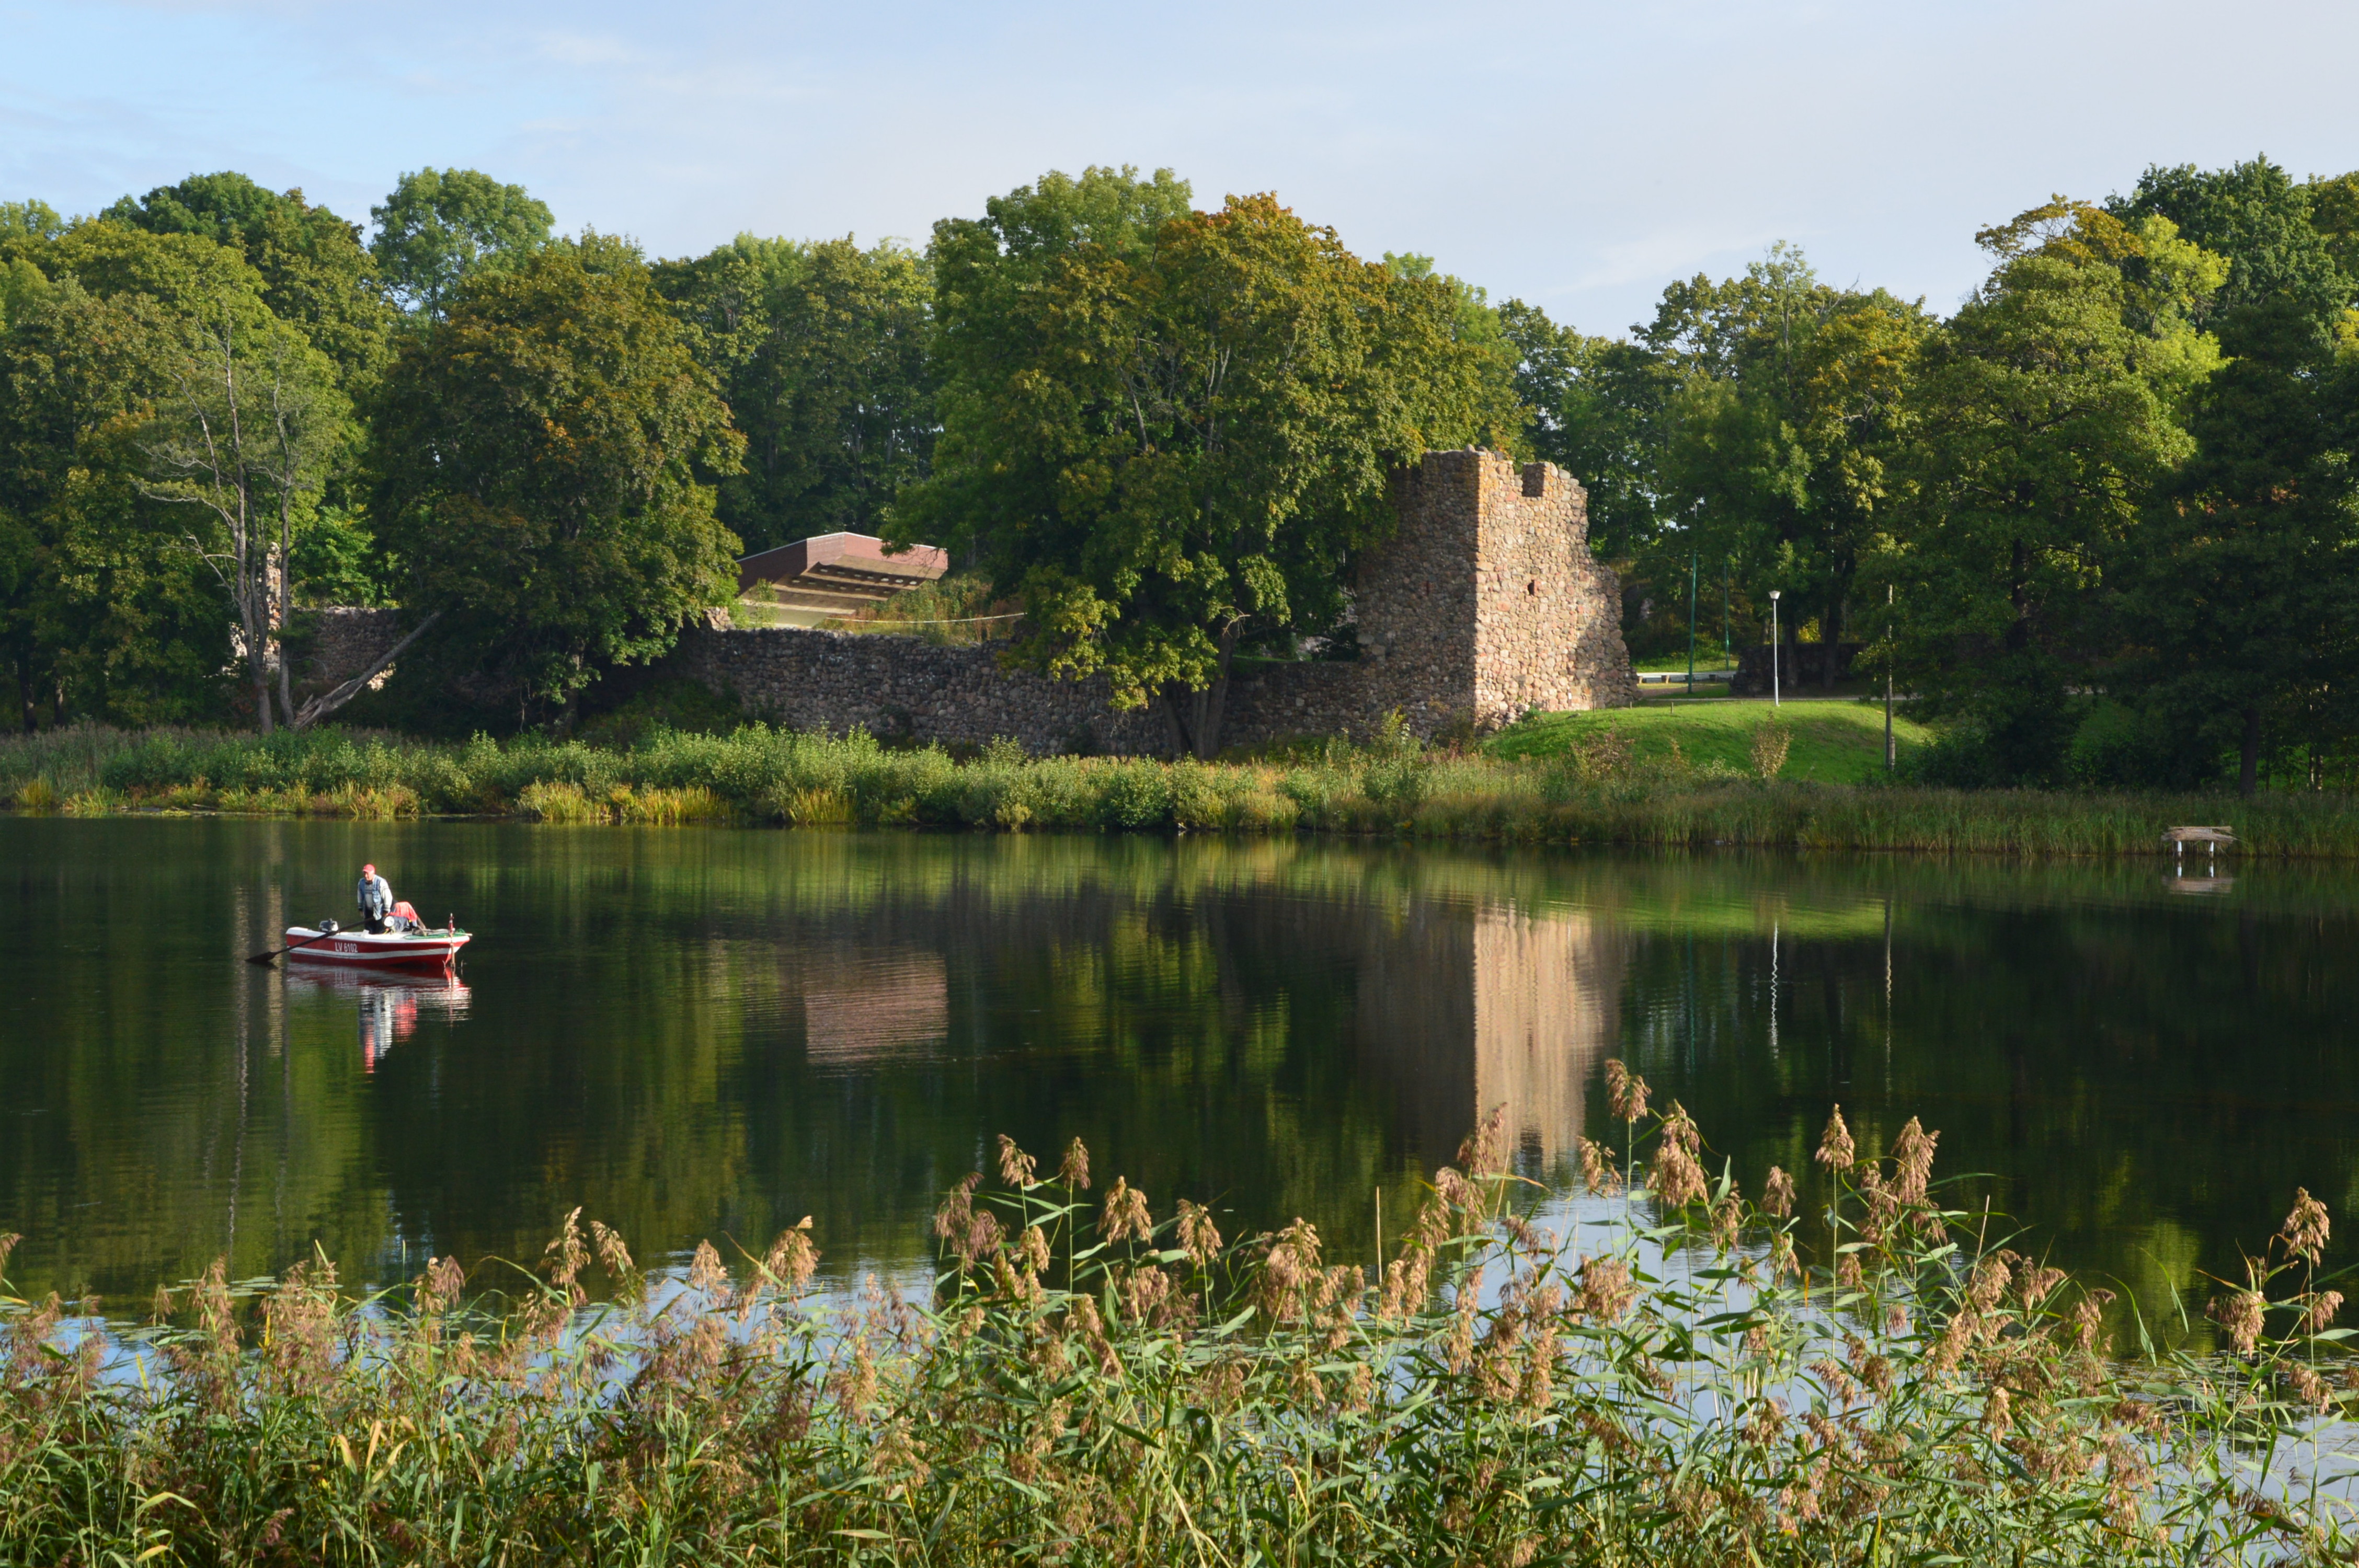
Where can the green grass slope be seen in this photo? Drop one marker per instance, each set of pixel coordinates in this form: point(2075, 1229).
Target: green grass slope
point(1835, 743)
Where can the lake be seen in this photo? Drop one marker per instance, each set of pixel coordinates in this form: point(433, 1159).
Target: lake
point(704, 1033)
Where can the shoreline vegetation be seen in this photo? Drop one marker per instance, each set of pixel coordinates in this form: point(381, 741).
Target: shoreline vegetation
point(1683, 1379)
point(1596, 787)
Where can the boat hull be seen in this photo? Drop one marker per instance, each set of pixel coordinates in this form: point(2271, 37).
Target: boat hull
point(435, 951)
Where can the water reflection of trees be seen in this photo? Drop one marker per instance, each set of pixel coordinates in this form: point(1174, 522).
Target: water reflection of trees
point(2145, 1084)
point(704, 1033)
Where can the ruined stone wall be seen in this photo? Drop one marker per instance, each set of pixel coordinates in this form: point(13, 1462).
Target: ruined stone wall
point(1415, 599)
point(905, 686)
point(333, 645)
point(1490, 571)
point(1484, 604)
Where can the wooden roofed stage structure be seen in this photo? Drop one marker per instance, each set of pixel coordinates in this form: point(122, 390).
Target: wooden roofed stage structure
point(835, 575)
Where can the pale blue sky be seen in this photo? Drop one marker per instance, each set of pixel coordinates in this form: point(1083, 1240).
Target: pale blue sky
point(1577, 155)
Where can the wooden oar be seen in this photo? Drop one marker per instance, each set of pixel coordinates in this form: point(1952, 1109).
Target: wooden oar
point(266, 957)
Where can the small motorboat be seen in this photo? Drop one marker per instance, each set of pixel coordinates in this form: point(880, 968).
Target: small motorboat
point(408, 944)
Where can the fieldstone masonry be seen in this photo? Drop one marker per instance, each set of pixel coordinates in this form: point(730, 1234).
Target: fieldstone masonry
point(1484, 604)
point(903, 687)
point(336, 644)
point(1487, 603)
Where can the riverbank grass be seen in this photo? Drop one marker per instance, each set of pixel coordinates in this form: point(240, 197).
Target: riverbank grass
point(1614, 778)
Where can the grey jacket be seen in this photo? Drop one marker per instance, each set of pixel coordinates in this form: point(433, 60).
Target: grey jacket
point(376, 897)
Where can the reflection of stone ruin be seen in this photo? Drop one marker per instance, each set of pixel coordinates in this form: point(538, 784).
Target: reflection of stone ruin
point(861, 1007)
point(1548, 998)
point(1462, 1012)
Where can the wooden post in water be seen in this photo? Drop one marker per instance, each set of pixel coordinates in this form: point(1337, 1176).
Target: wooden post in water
point(2211, 837)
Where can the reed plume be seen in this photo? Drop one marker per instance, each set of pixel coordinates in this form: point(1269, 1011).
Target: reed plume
point(1912, 1398)
point(1625, 1093)
point(1836, 1151)
point(2306, 1229)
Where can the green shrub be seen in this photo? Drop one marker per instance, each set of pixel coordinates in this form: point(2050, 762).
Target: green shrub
point(1589, 791)
point(557, 801)
point(1197, 800)
point(679, 705)
point(1134, 795)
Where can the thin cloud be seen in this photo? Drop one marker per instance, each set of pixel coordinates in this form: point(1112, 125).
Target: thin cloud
point(1575, 152)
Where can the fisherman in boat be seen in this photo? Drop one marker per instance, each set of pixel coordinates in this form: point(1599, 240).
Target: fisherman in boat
point(376, 900)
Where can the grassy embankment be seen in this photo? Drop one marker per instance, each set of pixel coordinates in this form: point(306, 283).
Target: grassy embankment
point(1092, 1384)
point(1836, 741)
point(1676, 775)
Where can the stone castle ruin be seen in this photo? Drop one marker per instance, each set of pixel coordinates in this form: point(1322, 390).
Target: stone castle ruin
point(1486, 603)
point(1482, 606)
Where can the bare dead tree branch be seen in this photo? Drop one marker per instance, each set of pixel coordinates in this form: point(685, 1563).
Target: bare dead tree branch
point(324, 704)
point(215, 467)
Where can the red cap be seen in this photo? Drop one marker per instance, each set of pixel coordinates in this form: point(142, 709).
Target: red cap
point(368, 871)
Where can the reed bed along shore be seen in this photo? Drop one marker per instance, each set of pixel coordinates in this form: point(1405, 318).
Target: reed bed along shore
point(1599, 791)
point(1097, 1383)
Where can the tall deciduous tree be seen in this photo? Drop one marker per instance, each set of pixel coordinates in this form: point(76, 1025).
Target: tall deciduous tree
point(1169, 431)
point(1778, 445)
point(821, 350)
point(316, 273)
point(241, 438)
point(104, 610)
point(2050, 414)
point(2334, 214)
point(545, 461)
point(2241, 615)
point(440, 224)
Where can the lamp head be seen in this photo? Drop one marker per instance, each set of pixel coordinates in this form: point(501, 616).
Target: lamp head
point(1773, 595)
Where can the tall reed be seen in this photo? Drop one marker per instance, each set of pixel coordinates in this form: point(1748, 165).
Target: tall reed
point(1679, 1382)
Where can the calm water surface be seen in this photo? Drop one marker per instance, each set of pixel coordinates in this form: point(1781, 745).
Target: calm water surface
point(701, 1033)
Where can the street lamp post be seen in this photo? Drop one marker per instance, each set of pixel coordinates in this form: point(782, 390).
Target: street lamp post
point(1891, 753)
point(1777, 697)
point(1692, 558)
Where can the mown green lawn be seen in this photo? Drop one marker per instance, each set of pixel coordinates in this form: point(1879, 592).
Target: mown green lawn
point(1835, 743)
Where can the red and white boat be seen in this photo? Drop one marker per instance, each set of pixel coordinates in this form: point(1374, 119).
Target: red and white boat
point(411, 947)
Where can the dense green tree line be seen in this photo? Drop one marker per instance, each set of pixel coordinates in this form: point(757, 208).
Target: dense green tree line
point(2101, 518)
point(1164, 430)
point(2098, 518)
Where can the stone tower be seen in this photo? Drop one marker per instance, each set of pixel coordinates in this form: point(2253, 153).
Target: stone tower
point(1487, 601)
